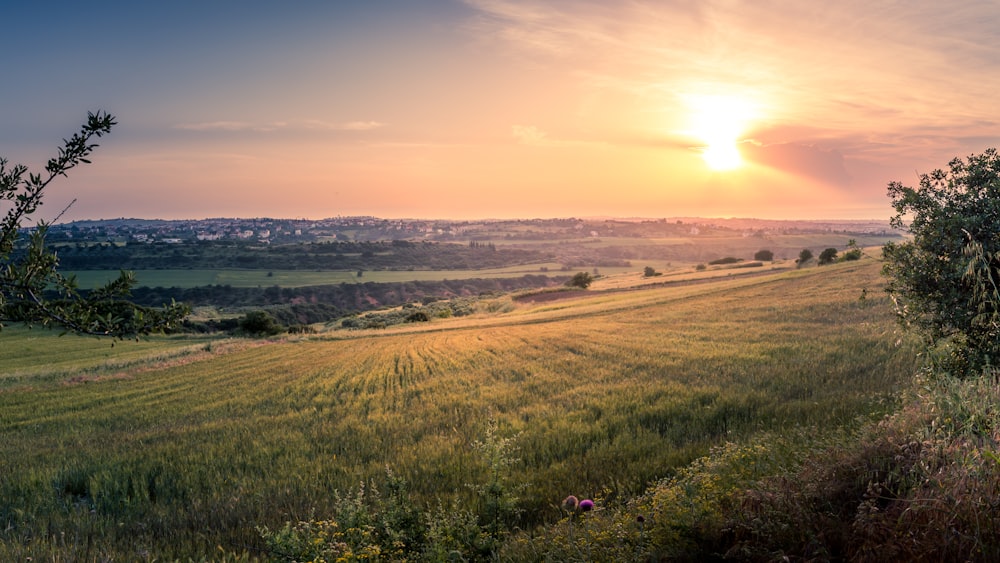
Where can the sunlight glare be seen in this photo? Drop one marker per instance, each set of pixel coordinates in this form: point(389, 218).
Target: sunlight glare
point(718, 121)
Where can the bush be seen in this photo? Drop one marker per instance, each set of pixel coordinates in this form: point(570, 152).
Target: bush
point(260, 323)
point(944, 281)
point(828, 256)
point(581, 280)
point(726, 260)
point(764, 256)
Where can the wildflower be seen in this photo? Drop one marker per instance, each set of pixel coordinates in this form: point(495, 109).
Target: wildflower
point(586, 505)
point(570, 503)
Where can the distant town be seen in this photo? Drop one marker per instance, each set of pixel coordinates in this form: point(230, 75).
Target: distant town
point(367, 228)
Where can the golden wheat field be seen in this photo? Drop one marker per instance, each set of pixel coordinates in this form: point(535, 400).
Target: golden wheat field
point(191, 450)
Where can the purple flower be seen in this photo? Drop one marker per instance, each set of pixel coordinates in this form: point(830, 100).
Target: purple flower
point(570, 503)
point(586, 505)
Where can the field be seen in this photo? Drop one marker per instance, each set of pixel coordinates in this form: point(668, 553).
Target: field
point(300, 278)
point(188, 453)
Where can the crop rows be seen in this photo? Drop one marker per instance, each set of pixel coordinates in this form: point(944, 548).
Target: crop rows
point(600, 394)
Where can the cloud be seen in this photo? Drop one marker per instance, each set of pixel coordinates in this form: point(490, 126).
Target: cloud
point(849, 70)
point(308, 124)
point(215, 126)
point(810, 161)
point(344, 126)
point(529, 134)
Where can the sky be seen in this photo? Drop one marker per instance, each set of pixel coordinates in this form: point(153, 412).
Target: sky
point(472, 109)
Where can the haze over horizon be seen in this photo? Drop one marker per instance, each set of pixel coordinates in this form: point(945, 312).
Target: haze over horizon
point(457, 109)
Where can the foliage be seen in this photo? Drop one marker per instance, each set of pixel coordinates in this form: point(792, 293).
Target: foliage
point(726, 260)
point(854, 251)
point(805, 256)
point(828, 256)
point(29, 268)
point(920, 485)
point(945, 280)
point(341, 255)
point(764, 255)
point(260, 323)
point(649, 272)
point(581, 280)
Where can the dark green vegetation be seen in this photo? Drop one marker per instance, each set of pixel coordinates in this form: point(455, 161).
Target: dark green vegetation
point(599, 396)
point(946, 280)
point(369, 255)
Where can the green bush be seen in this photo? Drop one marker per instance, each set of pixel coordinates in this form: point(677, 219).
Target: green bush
point(726, 260)
point(259, 323)
point(581, 280)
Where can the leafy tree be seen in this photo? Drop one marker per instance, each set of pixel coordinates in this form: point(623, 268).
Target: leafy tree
point(649, 272)
point(805, 256)
point(260, 323)
point(764, 256)
point(853, 251)
point(944, 281)
point(28, 268)
point(828, 256)
point(581, 280)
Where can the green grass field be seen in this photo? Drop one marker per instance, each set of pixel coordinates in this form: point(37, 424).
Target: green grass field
point(301, 278)
point(184, 456)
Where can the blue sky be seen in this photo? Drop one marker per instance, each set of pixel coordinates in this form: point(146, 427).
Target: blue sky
point(499, 108)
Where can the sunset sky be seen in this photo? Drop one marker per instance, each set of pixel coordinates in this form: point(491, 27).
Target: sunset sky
point(499, 108)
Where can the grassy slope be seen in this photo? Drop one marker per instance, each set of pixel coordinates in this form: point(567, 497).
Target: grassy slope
point(610, 391)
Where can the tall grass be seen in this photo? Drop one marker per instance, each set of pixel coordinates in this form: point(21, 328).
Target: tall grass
point(605, 395)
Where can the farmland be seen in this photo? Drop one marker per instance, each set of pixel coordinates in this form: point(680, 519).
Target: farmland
point(187, 453)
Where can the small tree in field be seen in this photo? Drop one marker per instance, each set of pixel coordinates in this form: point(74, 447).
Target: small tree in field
point(581, 280)
point(945, 282)
point(804, 256)
point(828, 256)
point(28, 267)
point(764, 256)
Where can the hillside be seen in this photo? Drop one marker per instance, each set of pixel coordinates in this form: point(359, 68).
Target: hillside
point(602, 396)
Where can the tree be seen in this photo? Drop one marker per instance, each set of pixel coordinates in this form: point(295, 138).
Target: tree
point(854, 251)
point(31, 288)
point(581, 280)
point(649, 272)
point(805, 256)
point(764, 256)
point(260, 323)
point(945, 281)
point(828, 256)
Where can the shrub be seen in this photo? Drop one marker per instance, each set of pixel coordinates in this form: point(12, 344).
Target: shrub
point(259, 323)
point(764, 256)
point(726, 260)
point(828, 256)
point(581, 280)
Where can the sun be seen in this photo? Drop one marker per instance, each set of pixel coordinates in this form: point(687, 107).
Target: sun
point(718, 122)
point(722, 155)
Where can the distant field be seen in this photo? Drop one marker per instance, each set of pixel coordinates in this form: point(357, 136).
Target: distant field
point(300, 278)
point(35, 355)
point(602, 394)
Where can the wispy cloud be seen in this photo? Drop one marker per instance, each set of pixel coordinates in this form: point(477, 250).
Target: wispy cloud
point(879, 67)
point(301, 125)
point(529, 135)
point(216, 126)
point(343, 126)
